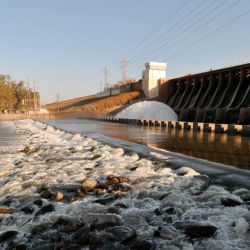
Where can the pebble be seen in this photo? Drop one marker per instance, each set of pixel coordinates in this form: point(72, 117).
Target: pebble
point(45, 209)
point(46, 194)
point(199, 229)
point(5, 210)
point(38, 202)
point(7, 235)
point(89, 185)
point(27, 210)
point(231, 201)
point(59, 196)
point(104, 200)
point(121, 233)
point(102, 221)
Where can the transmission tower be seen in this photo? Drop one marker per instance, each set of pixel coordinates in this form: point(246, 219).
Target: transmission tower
point(124, 69)
point(57, 101)
point(106, 78)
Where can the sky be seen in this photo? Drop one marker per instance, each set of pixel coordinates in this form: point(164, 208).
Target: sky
point(62, 46)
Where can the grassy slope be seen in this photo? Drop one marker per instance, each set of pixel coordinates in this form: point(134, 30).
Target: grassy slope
point(91, 105)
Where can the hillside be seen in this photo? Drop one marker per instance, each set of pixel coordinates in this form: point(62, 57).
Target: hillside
point(67, 104)
point(93, 106)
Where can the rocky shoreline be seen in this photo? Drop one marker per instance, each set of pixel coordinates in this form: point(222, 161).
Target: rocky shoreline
point(64, 191)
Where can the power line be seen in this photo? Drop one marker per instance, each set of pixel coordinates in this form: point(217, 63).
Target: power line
point(157, 28)
point(173, 29)
point(190, 26)
point(199, 27)
point(211, 33)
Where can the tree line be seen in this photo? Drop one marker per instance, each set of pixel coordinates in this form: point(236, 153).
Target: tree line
point(15, 97)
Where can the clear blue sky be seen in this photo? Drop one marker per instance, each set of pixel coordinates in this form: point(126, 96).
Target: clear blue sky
point(64, 45)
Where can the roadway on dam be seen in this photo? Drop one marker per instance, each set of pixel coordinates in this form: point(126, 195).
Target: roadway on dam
point(219, 148)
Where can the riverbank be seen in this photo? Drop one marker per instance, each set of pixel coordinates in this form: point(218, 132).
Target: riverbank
point(66, 190)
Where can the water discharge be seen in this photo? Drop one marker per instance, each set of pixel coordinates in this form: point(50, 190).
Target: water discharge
point(149, 110)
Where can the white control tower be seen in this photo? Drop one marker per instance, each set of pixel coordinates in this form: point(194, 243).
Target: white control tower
point(150, 78)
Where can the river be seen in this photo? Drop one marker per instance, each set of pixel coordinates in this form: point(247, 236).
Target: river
point(221, 148)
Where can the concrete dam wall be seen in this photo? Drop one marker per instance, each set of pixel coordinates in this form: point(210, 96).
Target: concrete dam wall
point(216, 96)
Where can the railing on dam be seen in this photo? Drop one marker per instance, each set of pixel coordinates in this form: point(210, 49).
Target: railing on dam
point(219, 96)
point(233, 129)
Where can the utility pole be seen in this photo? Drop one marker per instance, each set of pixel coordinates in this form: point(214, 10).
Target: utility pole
point(34, 97)
point(101, 86)
point(28, 97)
point(57, 100)
point(106, 78)
point(124, 69)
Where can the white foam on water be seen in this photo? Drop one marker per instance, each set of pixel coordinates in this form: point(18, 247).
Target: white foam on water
point(60, 158)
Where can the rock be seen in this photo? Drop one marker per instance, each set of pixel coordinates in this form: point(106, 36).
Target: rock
point(111, 182)
point(102, 221)
point(159, 165)
point(80, 193)
point(231, 201)
point(167, 233)
point(104, 200)
point(244, 194)
point(100, 191)
point(240, 191)
point(82, 235)
point(157, 211)
point(59, 196)
point(69, 228)
point(96, 156)
point(42, 188)
point(156, 195)
point(169, 210)
point(39, 228)
point(95, 239)
point(119, 151)
point(186, 171)
point(121, 233)
point(45, 209)
point(46, 194)
point(7, 235)
point(141, 244)
point(38, 202)
point(89, 185)
point(199, 229)
point(27, 210)
point(56, 237)
point(21, 246)
point(123, 179)
point(121, 205)
point(133, 168)
point(115, 180)
point(113, 210)
point(25, 150)
point(62, 221)
point(5, 210)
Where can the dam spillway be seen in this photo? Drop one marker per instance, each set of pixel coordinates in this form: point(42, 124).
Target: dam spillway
point(216, 96)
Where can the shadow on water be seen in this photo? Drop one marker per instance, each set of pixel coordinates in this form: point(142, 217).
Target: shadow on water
point(221, 148)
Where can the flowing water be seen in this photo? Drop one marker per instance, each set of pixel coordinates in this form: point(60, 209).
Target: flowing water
point(221, 148)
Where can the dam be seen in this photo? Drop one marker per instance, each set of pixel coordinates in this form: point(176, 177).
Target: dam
point(215, 96)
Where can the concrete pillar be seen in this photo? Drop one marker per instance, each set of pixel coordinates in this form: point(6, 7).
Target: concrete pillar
point(186, 126)
point(163, 124)
point(157, 123)
point(245, 130)
point(150, 78)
